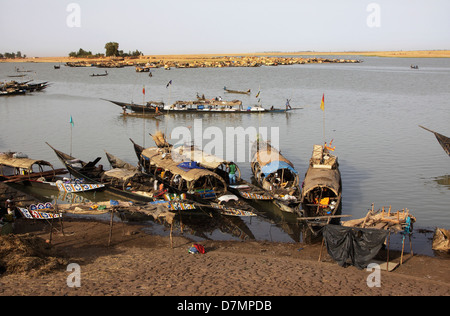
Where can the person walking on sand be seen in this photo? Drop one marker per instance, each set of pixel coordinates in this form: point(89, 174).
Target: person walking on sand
point(232, 173)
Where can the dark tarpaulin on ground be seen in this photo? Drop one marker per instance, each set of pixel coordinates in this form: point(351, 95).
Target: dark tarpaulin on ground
point(359, 245)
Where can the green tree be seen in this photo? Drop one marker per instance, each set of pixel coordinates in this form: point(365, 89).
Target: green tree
point(112, 49)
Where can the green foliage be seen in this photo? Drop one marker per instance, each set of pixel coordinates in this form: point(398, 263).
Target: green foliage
point(112, 49)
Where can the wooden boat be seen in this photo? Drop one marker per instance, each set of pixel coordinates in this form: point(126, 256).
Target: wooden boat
point(100, 75)
point(221, 167)
point(14, 87)
point(236, 91)
point(276, 175)
point(119, 182)
point(17, 167)
point(199, 184)
point(203, 105)
point(322, 187)
point(151, 107)
point(443, 140)
point(142, 69)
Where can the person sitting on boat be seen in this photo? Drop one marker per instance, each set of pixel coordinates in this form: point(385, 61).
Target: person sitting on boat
point(232, 173)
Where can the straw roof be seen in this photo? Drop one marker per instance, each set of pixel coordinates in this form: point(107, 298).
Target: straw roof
point(329, 178)
point(192, 154)
point(266, 154)
point(163, 160)
point(24, 163)
point(122, 174)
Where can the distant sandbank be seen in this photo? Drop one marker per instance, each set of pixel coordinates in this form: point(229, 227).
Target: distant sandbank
point(191, 57)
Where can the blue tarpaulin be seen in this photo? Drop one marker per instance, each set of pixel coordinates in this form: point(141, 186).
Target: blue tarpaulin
point(188, 165)
point(274, 166)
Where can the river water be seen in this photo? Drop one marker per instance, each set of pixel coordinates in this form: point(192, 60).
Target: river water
point(372, 113)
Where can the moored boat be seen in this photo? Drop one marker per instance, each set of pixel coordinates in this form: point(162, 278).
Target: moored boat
point(118, 182)
point(321, 197)
point(18, 168)
point(199, 184)
point(222, 167)
point(275, 174)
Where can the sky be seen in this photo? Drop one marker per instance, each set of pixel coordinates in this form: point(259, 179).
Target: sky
point(57, 27)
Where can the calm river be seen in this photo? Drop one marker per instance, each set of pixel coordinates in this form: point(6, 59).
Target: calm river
point(372, 113)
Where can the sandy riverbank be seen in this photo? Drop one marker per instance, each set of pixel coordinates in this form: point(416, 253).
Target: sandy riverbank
point(202, 57)
point(137, 263)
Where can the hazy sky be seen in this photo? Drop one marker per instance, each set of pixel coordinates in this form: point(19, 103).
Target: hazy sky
point(42, 27)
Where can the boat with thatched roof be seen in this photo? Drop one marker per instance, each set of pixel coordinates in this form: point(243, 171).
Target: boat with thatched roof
point(322, 187)
point(190, 178)
point(275, 174)
point(18, 168)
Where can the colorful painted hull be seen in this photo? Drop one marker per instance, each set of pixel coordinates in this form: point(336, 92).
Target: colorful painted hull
point(39, 211)
point(77, 187)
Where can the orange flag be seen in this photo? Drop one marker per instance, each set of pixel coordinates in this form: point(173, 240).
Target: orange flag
point(143, 90)
point(322, 105)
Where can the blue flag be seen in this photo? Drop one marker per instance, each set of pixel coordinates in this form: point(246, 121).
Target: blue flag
point(71, 120)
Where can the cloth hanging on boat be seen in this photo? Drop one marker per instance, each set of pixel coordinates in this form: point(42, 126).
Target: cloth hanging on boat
point(359, 245)
point(276, 165)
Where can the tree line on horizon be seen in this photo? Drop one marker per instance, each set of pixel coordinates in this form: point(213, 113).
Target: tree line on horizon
point(12, 55)
point(112, 50)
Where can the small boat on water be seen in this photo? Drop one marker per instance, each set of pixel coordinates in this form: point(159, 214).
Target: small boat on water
point(237, 91)
point(100, 75)
point(275, 174)
point(142, 69)
point(321, 197)
point(444, 141)
point(14, 87)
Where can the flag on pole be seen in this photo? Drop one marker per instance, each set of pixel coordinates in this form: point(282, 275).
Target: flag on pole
point(257, 95)
point(322, 104)
point(71, 120)
point(143, 90)
point(170, 82)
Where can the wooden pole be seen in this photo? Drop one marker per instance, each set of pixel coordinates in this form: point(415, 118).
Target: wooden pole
point(51, 228)
point(143, 114)
point(171, 235)
point(388, 245)
point(111, 227)
point(321, 248)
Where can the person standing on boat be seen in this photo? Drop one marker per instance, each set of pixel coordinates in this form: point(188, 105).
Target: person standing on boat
point(288, 105)
point(232, 173)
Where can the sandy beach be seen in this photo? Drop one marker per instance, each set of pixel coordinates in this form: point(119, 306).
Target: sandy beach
point(142, 264)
